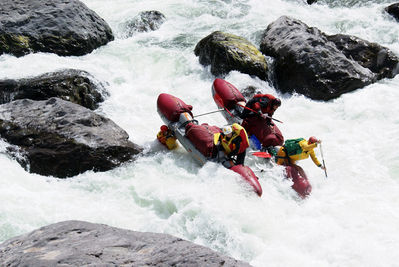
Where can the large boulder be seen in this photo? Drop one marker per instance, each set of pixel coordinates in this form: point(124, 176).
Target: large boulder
point(144, 22)
point(72, 85)
point(78, 243)
point(62, 139)
point(379, 59)
point(225, 52)
point(63, 27)
point(307, 62)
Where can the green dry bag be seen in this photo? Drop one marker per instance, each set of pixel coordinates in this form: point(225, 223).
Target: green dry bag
point(292, 146)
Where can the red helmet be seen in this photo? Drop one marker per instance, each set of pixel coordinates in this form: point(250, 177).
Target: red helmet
point(312, 140)
point(276, 102)
point(164, 128)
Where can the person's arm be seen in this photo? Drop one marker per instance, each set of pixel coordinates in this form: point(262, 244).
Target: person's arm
point(237, 142)
point(248, 113)
point(314, 158)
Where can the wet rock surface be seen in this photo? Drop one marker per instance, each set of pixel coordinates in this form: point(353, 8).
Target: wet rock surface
point(62, 139)
point(78, 243)
point(63, 27)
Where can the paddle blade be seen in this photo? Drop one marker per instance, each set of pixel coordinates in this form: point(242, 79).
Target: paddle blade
point(262, 155)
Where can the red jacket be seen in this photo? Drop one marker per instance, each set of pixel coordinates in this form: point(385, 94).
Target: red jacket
point(260, 102)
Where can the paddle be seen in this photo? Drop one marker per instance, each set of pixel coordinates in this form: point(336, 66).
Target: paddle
point(261, 154)
point(219, 110)
point(324, 164)
point(250, 109)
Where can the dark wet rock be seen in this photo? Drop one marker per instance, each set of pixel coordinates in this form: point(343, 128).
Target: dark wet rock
point(78, 243)
point(63, 27)
point(393, 10)
point(311, 1)
point(144, 22)
point(380, 60)
point(308, 63)
point(76, 86)
point(62, 139)
point(227, 52)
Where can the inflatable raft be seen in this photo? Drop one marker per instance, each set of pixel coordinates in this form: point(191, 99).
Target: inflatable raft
point(197, 139)
point(230, 99)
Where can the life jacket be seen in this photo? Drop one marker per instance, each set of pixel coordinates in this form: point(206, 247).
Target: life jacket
point(238, 130)
point(292, 147)
point(167, 139)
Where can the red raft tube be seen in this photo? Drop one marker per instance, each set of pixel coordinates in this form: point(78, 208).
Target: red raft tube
point(197, 139)
point(230, 99)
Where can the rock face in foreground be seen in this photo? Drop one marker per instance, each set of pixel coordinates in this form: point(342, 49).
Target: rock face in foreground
point(62, 139)
point(77, 243)
point(63, 27)
point(76, 86)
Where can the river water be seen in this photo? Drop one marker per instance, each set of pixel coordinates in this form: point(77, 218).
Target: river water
point(351, 218)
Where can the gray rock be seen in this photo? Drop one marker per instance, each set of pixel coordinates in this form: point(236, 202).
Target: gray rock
point(64, 27)
point(144, 22)
point(226, 52)
point(380, 60)
point(78, 243)
point(308, 63)
point(63, 139)
point(76, 86)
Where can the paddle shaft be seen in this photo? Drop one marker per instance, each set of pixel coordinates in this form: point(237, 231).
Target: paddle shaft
point(219, 110)
point(322, 158)
point(250, 109)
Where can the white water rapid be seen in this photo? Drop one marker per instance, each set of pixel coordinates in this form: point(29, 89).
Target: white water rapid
point(351, 218)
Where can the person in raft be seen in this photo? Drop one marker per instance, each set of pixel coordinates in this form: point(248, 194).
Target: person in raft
point(232, 144)
point(263, 104)
point(166, 137)
point(298, 149)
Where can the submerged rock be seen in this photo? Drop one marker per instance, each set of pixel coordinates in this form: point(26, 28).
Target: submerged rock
point(144, 22)
point(63, 27)
point(226, 52)
point(62, 139)
point(78, 243)
point(76, 86)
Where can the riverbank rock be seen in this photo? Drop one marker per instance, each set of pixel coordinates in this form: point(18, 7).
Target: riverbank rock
point(144, 22)
point(76, 86)
point(63, 27)
point(308, 63)
point(78, 243)
point(62, 139)
point(226, 52)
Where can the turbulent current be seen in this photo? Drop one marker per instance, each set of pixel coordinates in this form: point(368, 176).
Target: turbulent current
point(351, 217)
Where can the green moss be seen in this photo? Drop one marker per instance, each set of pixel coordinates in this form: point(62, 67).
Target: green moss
point(21, 40)
point(240, 48)
point(14, 43)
